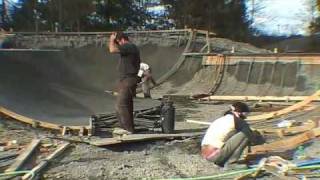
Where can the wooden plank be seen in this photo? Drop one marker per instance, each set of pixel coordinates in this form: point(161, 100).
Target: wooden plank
point(307, 58)
point(258, 98)
point(204, 32)
point(37, 169)
point(285, 144)
point(288, 57)
point(141, 137)
point(27, 120)
point(31, 121)
point(198, 122)
point(5, 164)
point(275, 172)
point(308, 125)
point(23, 157)
point(287, 109)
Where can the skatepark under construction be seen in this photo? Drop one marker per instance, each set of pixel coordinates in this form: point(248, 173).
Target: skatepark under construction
point(56, 80)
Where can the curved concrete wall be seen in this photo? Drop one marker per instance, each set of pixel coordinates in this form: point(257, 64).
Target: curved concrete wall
point(67, 86)
point(276, 75)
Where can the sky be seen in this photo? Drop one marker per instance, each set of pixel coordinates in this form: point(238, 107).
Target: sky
point(282, 17)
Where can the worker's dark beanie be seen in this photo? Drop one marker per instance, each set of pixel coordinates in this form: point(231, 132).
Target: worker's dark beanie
point(240, 107)
point(121, 35)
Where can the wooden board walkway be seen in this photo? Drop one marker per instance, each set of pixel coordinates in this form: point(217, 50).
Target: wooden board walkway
point(141, 137)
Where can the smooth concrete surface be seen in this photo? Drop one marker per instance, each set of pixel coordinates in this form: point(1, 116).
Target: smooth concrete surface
point(67, 87)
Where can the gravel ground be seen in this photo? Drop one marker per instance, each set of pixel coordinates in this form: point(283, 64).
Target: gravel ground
point(144, 160)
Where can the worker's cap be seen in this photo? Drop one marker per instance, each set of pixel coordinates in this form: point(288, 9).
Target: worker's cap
point(121, 35)
point(240, 107)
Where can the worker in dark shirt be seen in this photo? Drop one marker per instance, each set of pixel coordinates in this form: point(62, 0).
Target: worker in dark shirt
point(128, 68)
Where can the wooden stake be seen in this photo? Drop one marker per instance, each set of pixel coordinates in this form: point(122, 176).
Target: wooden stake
point(65, 131)
point(81, 132)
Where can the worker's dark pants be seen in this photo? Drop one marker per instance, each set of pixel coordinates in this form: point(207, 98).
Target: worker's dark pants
point(146, 88)
point(147, 79)
point(232, 149)
point(124, 103)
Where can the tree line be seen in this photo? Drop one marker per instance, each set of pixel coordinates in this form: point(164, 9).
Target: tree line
point(76, 15)
point(227, 18)
point(315, 24)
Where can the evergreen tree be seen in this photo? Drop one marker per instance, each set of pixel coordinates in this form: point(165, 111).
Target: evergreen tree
point(315, 24)
point(225, 17)
point(78, 15)
point(24, 17)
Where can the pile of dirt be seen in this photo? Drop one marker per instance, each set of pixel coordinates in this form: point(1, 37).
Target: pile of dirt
point(222, 45)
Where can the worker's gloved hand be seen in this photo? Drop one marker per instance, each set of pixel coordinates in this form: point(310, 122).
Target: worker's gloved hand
point(257, 138)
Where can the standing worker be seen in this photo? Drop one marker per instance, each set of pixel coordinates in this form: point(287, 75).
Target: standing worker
point(146, 78)
point(128, 68)
point(228, 136)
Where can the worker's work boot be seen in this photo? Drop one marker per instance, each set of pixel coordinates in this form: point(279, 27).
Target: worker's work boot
point(118, 132)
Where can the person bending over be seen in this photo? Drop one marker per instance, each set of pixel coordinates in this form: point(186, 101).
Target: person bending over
point(146, 79)
point(228, 136)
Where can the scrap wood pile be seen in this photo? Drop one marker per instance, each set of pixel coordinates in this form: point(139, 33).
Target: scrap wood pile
point(27, 161)
point(287, 137)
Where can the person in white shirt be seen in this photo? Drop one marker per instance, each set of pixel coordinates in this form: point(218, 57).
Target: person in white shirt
point(146, 78)
point(227, 136)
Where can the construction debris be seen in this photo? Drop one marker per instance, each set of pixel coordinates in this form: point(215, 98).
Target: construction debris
point(23, 157)
point(284, 144)
point(37, 169)
point(286, 110)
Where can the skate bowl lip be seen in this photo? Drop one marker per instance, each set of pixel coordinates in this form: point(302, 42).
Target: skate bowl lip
point(110, 32)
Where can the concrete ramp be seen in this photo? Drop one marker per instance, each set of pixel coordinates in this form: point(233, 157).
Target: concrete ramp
point(66, 87)
point(246, 74)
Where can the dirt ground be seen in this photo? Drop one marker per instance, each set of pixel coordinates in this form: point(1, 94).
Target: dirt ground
point(144, 160)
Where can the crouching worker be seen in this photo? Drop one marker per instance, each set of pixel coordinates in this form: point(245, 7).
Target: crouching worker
point(228, 136)
point(146, 79)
